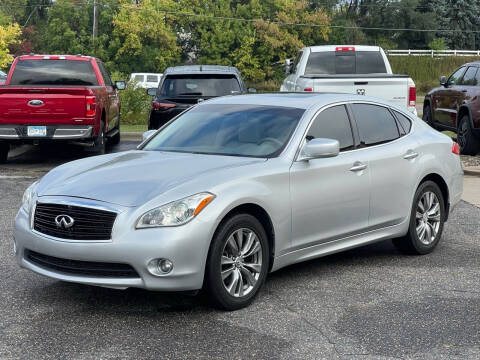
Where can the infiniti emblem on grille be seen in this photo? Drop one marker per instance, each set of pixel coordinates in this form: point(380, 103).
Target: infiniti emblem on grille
point(35, 102)
point(64, 221)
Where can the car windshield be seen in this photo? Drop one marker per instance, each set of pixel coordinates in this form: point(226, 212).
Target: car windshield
point(200, 85)
point(235, 130)
point(54, 72)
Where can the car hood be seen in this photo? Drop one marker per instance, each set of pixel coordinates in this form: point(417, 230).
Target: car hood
point(133, 178)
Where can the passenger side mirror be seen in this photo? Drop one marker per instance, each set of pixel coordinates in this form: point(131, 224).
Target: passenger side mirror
point(120, 85)
point(152, 91)
point(252, 90)
point(148, 134)
point(443, 81)
point(320, 148)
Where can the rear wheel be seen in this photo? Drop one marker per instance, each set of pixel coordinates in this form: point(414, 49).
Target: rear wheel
point(469, 144)
point(426, 221)
point(237, 263)
point(4, 149)
point(427, 115)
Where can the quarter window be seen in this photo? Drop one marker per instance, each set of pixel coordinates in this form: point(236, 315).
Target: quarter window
point(376, 125)
point(333, 123)
point(405, 123)
point(469, 78)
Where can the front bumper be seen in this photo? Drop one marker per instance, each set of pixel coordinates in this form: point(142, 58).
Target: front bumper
point(185, 246)
point(55, 132)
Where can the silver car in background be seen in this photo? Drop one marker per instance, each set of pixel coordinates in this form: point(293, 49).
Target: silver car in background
point(240, 186)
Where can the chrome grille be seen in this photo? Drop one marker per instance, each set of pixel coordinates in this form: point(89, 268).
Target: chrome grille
point(89, 223)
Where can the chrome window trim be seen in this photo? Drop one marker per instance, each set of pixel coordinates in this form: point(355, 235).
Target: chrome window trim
point(302, 142)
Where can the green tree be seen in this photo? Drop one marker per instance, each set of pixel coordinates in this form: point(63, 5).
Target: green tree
point(142, 39)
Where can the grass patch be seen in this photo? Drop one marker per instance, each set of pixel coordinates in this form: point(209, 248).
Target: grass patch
point(126, 128)
point(451, 134)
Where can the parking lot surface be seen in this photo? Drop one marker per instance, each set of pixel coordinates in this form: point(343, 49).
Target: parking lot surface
point(371, 302)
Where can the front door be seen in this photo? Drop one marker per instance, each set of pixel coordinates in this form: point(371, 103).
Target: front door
point(446, 100)
point(329, 196)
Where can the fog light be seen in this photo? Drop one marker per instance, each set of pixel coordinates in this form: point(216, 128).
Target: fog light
point(159, 267)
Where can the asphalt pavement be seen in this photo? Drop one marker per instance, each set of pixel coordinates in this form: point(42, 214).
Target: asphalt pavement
point(367, 303)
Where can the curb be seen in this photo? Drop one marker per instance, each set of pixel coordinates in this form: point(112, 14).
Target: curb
point(471, 172)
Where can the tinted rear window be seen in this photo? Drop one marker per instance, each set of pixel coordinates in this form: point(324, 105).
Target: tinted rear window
point(152, 78)
point(376, 124)
point(54, 72)
point(200, 85)
point(358, 62)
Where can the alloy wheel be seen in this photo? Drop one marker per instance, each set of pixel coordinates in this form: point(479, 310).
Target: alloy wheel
point(462, 134)
point(428, 216)
point(241, 262)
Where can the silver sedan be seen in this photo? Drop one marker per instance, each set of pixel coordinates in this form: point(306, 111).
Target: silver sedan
point(238, 187)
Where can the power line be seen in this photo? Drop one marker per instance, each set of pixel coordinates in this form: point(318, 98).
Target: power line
point(281, 23)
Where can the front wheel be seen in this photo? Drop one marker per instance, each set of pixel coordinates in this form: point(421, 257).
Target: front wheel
point(427, 116)
point(469, 144)
point(426, 221)
point(237, 263)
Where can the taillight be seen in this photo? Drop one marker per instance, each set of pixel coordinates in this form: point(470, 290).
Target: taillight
point(162, 106)
point(309, 89)
point(455, 148)
point(412, 96)
point(345, 48)
point(91, 102)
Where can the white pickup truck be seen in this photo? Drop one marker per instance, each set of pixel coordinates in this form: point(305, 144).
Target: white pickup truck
point(362, 70)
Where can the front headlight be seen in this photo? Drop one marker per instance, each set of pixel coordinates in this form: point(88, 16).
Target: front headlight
point(175, 213)
point(28, 196)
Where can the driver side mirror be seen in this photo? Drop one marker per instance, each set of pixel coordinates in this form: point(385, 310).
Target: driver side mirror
point(288, 66)
point(443, 81)
point(120, 85)
point(320, 148)
point(152, 91)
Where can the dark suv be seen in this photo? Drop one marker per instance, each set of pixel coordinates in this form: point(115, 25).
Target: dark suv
point(455, 106)
point(183, 86)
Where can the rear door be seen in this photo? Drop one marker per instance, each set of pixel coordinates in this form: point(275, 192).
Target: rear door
point(392, 158)
point(330, 196)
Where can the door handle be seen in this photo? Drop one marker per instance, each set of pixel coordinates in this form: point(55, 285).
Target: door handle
point(358, 166)
point(410, 155)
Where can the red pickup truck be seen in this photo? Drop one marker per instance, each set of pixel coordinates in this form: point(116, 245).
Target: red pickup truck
point(59, 98)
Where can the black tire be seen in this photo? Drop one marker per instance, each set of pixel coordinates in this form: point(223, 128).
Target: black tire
point(427, 115)
point(411, 242)
point(4, 149)
point(215, 289)
point(469, 144)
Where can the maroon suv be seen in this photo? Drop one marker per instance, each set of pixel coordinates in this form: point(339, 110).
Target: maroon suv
point(455, 106)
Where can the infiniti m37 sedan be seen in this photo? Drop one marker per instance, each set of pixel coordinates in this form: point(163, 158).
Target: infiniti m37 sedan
point(237, 187)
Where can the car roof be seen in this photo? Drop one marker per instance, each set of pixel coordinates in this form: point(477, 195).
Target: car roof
point(296, 100)
point(199, 69)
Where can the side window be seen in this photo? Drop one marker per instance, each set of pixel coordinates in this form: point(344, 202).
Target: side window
point(333, 123)
point(405, 122)
point(376, 125)
point(469, 78)
point(295, 64)
point(455, 78)
point(105, 75)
